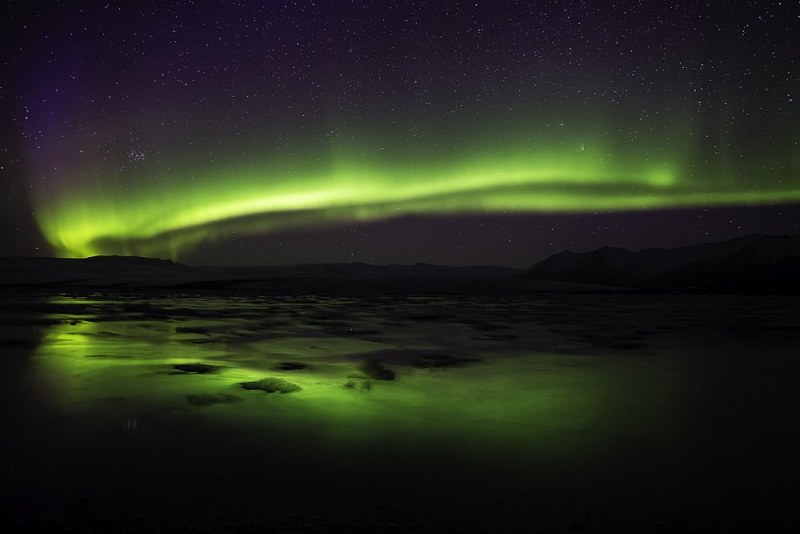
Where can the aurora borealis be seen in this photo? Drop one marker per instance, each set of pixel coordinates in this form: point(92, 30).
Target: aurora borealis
point(156, 130)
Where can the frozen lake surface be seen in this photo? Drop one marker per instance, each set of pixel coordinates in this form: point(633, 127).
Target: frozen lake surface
point(486, 413)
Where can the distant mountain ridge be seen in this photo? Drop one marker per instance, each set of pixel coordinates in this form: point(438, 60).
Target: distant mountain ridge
point(133, 272)
point(749, 263)
point(752, 263)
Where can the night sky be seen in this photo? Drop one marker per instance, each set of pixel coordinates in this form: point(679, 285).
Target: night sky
point(481, 132)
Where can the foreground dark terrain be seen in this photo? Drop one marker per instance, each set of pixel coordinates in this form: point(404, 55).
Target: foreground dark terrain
point(172, 411)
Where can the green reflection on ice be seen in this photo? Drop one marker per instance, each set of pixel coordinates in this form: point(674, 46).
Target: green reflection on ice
point(513, 399)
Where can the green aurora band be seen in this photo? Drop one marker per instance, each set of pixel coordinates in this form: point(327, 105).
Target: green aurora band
point(175, 211)
point(153, 131)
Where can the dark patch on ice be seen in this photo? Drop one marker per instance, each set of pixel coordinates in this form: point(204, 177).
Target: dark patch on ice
point(100, 333)
point(209, 399)
point(376, 370)
point(429, 317)
point(191, 330)
point(272, 385)
point(290, 366)
point(361, 385)
point(195, 368)
point(351, 332)
point(427, 361)
point(273, 324)
point(488, 327)
point(328, 323)
point(496, 337)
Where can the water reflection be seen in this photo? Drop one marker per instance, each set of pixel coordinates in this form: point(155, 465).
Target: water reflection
point(194, 354)
point(583, 403)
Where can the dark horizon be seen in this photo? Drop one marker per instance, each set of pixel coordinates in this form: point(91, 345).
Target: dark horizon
point(372, 242)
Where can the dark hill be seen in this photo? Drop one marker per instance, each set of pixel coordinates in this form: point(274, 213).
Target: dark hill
point(749, 263)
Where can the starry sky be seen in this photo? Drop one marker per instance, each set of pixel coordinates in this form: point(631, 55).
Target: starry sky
point(480, 132)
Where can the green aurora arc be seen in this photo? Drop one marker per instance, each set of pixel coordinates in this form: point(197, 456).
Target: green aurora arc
point(173, 215)
point(154, 131)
